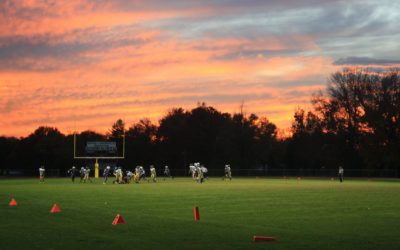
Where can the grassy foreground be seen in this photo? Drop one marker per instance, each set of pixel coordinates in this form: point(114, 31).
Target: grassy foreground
point(302, 214)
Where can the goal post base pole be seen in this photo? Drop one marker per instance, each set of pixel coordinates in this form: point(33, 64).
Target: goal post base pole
point(96, 169)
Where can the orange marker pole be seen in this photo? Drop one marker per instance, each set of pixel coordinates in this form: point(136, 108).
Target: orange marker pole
point(257, 238)
point(196, 213)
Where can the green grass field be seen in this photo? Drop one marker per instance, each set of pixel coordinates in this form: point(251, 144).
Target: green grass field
point(301, 214)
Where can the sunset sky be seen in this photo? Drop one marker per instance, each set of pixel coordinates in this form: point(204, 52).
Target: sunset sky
point(79, 65)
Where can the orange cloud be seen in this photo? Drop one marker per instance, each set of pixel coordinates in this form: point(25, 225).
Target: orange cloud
point(93, 64)
point(93, 97)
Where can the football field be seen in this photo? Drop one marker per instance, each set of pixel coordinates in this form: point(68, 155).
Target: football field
point(301, 214)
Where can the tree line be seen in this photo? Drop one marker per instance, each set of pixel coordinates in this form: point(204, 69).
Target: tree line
point(354, 122)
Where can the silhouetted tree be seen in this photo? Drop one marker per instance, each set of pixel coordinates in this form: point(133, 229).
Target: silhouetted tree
point(266, 141)
point(141, 144)
point(355, 122)
point(359, 118)
point(118, 129)
point(45, 146)
point(8, 149)
point(173, 138)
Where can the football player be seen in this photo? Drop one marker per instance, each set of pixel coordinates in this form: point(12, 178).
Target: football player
point(142, 173)
point(87, 173)
point(167, 173)
point(106, 172)
point(192, 170)
point(41, 173)
point(82, 173)
point(153, 174)
point(228, 172)
point(72, 173)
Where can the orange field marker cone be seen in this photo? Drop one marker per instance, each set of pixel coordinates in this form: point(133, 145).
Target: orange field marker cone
point(118, 220)
point(55, 209)
point(196, 213)
point(12, 203)
point(257, 238)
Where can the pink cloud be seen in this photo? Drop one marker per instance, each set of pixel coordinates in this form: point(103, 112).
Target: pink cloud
point(93, 64)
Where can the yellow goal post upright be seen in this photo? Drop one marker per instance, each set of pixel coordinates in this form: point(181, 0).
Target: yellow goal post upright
point(97, 158)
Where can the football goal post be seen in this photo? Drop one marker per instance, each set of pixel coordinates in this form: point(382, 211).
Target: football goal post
point(95, 147)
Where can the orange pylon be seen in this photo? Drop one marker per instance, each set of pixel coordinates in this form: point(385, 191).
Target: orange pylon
point(118, 220)
point(12, 203)
point(55, 209)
